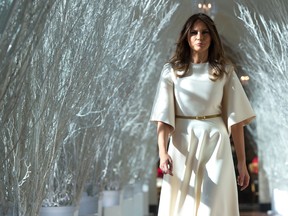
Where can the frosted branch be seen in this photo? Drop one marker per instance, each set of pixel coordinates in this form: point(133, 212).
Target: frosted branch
point(265, 59)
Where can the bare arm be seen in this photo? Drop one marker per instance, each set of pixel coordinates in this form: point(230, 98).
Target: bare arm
point(238, 139)
point(163, 131)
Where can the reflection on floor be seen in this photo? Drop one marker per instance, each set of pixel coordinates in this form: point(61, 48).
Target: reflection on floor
point(253, 214)
point(245, 210)
point(250, 210)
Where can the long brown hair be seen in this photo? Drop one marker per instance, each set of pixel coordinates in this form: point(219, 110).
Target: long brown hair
point(181, 59)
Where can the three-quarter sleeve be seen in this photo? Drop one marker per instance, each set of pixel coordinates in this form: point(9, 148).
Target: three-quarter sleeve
point(163, 108)
point(236, 107)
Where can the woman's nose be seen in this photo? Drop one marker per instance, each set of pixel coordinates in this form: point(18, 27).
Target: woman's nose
point(199, 35)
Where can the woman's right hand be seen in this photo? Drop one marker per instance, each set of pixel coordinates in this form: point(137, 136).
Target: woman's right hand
point(166, 164)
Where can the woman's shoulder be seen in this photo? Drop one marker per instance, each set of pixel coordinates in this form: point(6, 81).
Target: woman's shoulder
point(167, 66)
point(167, 72)
point(229, 67)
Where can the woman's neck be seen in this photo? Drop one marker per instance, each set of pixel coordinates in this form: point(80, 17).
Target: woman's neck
point(198, 58)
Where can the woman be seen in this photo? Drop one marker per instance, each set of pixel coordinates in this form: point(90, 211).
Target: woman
point(199, 102)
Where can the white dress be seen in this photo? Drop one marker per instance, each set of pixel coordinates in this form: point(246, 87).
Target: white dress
point(204, 182)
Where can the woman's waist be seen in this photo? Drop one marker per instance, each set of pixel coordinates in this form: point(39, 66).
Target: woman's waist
point(186, 125)
point(198, 117)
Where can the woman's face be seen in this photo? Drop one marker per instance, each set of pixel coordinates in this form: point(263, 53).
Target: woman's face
point(199, 37)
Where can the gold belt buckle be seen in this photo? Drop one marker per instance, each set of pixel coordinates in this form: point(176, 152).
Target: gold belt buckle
point(200, 117)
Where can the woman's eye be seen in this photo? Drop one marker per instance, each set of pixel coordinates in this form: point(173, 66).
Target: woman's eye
point(196, 32)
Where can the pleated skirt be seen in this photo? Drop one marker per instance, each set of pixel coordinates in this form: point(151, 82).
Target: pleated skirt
point(204, 182)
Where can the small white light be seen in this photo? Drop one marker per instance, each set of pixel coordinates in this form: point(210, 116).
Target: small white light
point(245, 78)
point(199, 5)
point(145, 188)
point(209, 5)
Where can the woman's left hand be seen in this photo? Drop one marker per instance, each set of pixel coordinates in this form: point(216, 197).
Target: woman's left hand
point(243, 178)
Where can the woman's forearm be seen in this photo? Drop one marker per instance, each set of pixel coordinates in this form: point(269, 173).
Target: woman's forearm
point(166, 163)
point(239, 144)
point(163, 131)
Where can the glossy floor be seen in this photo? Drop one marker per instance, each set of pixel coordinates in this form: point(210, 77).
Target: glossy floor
point(245, 210)
point(253, 214)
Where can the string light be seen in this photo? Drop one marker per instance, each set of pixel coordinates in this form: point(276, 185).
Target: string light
point(209, 5)
point(205, 6)
point(245, 78)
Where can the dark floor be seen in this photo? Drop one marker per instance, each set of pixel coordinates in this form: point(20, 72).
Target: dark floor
point(255, 210)
point(253, 214)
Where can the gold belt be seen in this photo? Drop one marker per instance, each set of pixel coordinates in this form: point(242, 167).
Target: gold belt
point(199, 117)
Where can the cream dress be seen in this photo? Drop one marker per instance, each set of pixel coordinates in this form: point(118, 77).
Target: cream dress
point(204, 182)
